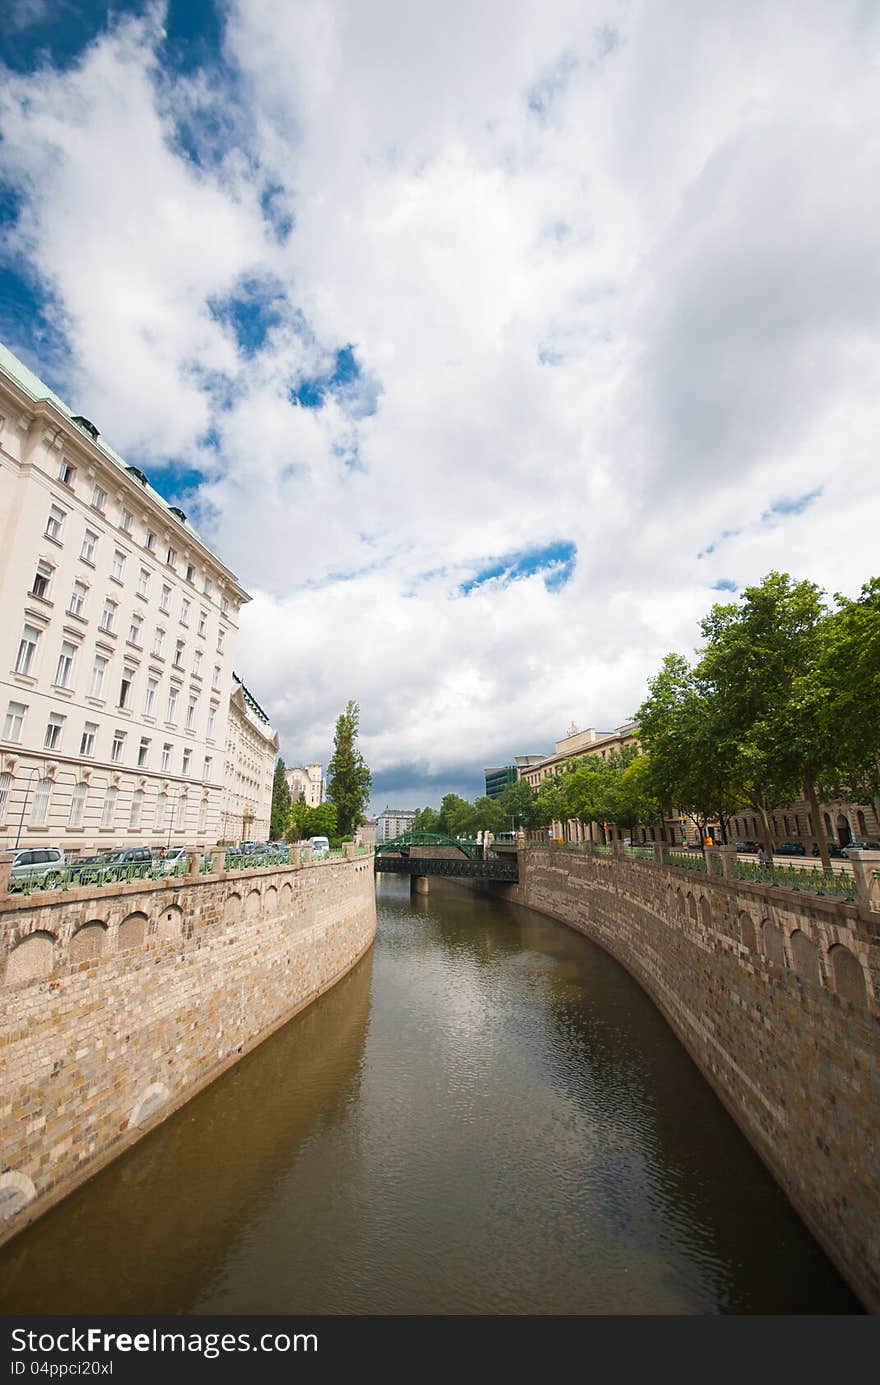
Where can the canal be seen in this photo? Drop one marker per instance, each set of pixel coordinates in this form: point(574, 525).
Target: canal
point(487, 1116)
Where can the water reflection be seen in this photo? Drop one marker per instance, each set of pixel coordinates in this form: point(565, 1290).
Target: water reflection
point(486, 1116)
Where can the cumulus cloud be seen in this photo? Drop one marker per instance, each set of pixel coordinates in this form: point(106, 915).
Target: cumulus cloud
point(604, 280)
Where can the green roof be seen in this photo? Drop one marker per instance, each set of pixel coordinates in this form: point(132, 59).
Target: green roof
point(32, 385)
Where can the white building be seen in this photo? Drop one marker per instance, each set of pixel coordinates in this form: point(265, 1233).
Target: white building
point(251, 752)
point(393, 822)
point(308, 781)
point(116, 643)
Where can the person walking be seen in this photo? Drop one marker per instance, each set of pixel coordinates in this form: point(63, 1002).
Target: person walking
point(763, 858)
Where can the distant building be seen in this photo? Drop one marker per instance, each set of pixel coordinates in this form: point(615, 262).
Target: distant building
point(306, 781)
point(366, 833)
point(251, 752)
point(499, 776)
point(393, 822)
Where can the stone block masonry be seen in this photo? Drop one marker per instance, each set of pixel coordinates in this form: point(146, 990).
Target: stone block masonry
point(120, 1003)
point(775, 996)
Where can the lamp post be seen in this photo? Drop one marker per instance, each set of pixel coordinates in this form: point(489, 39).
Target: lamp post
point(35, 769)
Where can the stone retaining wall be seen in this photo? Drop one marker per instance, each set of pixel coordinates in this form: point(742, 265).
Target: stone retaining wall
point(775, 996)
point(120, 1003)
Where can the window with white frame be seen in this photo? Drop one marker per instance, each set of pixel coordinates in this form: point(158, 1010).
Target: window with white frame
point(172, 704)
point(224, 605)
point(187, 759)
point(182, 804)
point(159, 644)
point(143, 582)
point(117, 747)
point(65, 665)
point(208, 763)
point(161, 806)
point(184, 611)
point(55, 523)
point(99, 668)
point(197, 663)
point(77, 804)
point(117, 567)
point(78, 599)
point(27, 648)
point(166, 755)
point(170, 558)
point(135, 629)
point(5, 786)
point(14, 721)
point(209, 729)
point(89, 546)
point(209, 586)
point(143, 752)
point(99, 498)
point(108, 816)
point(215, 681)
point(221, 636)
point(125, 519)
point(150, 699)
point(108, 616)
point(125, 684)
point(203, 815)
point(54, 727)
point(137, 806)
point(87, 742)
point(203, 623)
point(42, 797)
point(178, 653)
point(191, 713)
point(190, 572)
point(165, 600)
point(42, 578)
point(66, 473)
point(150, 541)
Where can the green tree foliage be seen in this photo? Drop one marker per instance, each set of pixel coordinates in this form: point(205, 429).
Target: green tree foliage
point(519, 804)
point(848, 677)
point(489, 816)
point(426, 820)
point(348, 779)
point(304, 822)
point(456, 817)
point(280, 803)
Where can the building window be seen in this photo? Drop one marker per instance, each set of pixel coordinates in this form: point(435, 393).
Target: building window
point(77, 804)
point(221, 635)
point(65, 665)
point(187, 757)
point(208, 763)
point(89, 546)
point(53, 731)
point(150, 699)
point(209, 586)
point(203, 816)
point(87, 743)
point(137, 805)
point(215, 681)
point(190, 573)
point(209, 729)
point(117, 746)
point(108, 816)
point(66, 474)
point(224, 605)
point(5, 785)
point(161, 805)
point(178, 653)
point(42, 578)
point(197, 663)
point(159, 644)
point(99, 498)
point(165, 600)
point(125, 520)
point(55, 523)
point(143, 752)
point(181, 812)
point(184, 611)
point(99, 668)
point(203, 623)
point(78, 599)
point(134, 631)
point(150, 541)
point(166, 756)
point(42, 795)
point(27, 648)
point(108, 616)
point(191, 713)
point(14, 721)
point(172, 704)
point(117, 568)
point(170, 558)
point(125, 687)
point(143, 582)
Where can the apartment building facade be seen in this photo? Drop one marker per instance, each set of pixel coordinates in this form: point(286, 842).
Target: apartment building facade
point(306, 781)
point(249, 770)
point(116, 644)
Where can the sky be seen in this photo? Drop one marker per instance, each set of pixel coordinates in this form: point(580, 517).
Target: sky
point(489, 344)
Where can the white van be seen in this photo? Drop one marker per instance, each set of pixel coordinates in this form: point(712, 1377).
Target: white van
point(320, 846)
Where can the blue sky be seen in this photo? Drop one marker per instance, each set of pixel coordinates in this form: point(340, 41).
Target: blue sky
point(487, 367)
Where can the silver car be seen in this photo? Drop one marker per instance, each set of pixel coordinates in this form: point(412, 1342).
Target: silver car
point(41, 866)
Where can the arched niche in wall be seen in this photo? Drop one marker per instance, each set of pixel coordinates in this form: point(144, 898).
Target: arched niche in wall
point(132, 932)
point(849, 978)
point(30, 959)
point(805, 957)
point(747, 932)
point(774, 945)
point(89, 941)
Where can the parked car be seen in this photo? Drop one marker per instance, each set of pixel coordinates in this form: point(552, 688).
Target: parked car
point(790, 849)
point(747, 846)
point(40, 866)
point(859, 846)
point(278, 849)
point(320, 846)
point(834, 849)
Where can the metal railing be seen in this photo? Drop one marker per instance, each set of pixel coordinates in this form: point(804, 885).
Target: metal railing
point(686, 860)
point(813, 881)
point(74, 875)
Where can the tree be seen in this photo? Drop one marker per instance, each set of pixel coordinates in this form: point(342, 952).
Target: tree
point(348, 778)
point(456, 816)
point(848, 673)
point(426, 820)
point(280, 803)
point(519, 804)
point(489, 815)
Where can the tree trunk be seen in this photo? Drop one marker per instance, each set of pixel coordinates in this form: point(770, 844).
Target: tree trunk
point(812, 799)
point(768, 842)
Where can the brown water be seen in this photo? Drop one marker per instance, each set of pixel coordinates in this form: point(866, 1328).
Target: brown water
point(486, 1116)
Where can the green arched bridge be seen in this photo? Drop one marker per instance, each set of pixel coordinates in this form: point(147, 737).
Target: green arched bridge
point(432, 853)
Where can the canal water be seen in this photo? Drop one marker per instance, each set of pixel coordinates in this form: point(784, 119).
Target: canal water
point(487, 1116)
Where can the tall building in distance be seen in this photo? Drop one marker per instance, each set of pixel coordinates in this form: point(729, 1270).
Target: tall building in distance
point(251, 752)
point(499, 776)
point(117, 641)
point(307, 781)
point(393, 822)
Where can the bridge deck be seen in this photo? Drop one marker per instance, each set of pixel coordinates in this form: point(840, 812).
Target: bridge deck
point(507, 870)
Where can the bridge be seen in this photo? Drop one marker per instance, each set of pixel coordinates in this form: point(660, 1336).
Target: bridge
point(432, 853)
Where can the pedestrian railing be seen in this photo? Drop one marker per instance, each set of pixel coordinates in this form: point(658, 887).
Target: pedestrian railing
point(814, 881)
point(74, 875)
point(686, 860)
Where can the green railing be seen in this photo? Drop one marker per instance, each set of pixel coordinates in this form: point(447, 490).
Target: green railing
point(838, 885)
point(255, 860)
point(638, 853)
point(686, 860)
point(74, 875)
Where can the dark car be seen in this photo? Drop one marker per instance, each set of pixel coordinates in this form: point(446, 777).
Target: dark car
point(860, 846)
point(747, 846)
point(790, 849)
point(834, 849)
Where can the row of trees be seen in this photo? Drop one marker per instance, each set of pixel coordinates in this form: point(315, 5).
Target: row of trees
point(782, 700)
point(348, 791)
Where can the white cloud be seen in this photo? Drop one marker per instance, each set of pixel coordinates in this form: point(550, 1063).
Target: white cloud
point(610, 275)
